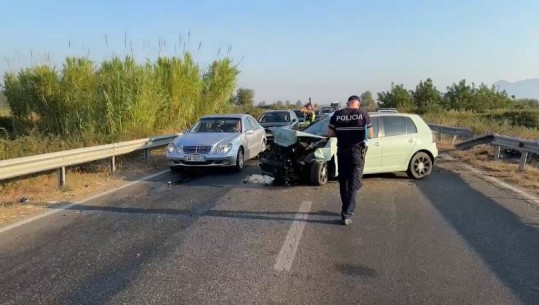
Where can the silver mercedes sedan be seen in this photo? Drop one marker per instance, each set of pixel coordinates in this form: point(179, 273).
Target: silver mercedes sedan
point(224, 140)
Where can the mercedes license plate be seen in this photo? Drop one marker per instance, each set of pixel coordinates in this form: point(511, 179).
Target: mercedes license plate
point(195, 158)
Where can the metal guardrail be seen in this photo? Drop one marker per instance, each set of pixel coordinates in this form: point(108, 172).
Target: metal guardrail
point(522, 145)
point(499, 141)
point(469, 143)
point(464, 132)
point(17, 167)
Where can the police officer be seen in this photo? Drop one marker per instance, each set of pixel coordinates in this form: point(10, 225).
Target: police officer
point(349, 125)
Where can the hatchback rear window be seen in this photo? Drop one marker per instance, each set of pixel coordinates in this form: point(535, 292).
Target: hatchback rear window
point(394, 126)
point(375, 127)
point(410, 125)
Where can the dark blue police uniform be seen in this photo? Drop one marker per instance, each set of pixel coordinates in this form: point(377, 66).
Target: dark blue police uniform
point(350, 126)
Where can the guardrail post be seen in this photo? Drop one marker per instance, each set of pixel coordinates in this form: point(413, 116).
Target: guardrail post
point(523, 158)
point(497, 150)
point(454, 139)
point(439, 136)
point(112, 164)
point(61, 177)
point(147, 155)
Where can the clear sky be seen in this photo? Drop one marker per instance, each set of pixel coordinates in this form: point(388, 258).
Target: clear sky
point(291, 50)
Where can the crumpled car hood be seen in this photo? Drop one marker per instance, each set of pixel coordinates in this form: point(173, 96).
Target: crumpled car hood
point(288, 137)
point(325, 149)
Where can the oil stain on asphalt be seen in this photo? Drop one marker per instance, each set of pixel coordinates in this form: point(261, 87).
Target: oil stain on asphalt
point(356, 270)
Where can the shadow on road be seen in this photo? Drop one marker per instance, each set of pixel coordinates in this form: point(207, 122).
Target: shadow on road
point(205, 211)
point(214, 176)
point(402, 176)
point(218, 176)
point(507, 245)
point(270, 216)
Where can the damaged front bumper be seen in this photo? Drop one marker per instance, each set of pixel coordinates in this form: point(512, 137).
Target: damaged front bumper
point(282, 164)
point(291, 154)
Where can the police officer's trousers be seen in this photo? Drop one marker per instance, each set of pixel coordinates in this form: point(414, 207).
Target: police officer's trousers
point(351, 162)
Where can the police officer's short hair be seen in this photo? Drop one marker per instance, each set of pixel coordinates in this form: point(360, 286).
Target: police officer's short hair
point(354, 97)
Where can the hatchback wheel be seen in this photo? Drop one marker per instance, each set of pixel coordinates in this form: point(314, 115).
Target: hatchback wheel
point(319, 173)
point(420, 166)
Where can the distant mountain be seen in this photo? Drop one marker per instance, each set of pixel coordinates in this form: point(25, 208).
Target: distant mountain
point(528, 88)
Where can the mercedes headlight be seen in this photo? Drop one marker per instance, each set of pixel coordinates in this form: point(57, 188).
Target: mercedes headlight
point(179, 149)
point(171, 147)
point(225, 148)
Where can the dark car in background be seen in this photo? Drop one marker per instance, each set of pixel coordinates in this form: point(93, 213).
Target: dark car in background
point(278, 118)
point(300, 115)
point(326, 112)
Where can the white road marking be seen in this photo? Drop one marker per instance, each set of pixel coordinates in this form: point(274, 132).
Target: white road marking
point(525, 195)
point(56, 210)
point(290, 245)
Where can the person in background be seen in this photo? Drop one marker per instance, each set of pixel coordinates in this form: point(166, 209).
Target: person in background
point(309, 111)
point(237, 127)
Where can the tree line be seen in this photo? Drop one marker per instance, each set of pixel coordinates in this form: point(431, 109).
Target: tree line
point(426, 97)
point(245, 97)
point(121, 97)
point(460, 96)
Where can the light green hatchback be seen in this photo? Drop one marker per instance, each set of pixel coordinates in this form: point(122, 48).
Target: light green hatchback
point(402, 143)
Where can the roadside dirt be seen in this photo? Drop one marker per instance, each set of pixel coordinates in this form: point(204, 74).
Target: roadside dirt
point(29, 195)
point(505, 169)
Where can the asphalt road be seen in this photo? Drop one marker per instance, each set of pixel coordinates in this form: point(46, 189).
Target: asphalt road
point(448, 239)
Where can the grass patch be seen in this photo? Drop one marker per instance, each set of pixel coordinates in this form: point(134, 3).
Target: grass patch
point(5, 112)
point(4, 106)
point(482, 156)
point(487, 123)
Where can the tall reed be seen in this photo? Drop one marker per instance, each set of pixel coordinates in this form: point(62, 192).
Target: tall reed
point(119, 98)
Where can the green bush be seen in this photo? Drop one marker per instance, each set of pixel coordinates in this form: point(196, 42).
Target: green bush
point(87, 104)
point(525, 118)
point(119, 98)
point(481, 124)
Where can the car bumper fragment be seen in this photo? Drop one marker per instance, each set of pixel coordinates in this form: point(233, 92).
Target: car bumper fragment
point(209, 162)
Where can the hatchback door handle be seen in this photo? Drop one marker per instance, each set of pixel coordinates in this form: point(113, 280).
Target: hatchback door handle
point(376, 143)
point(411, 140)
